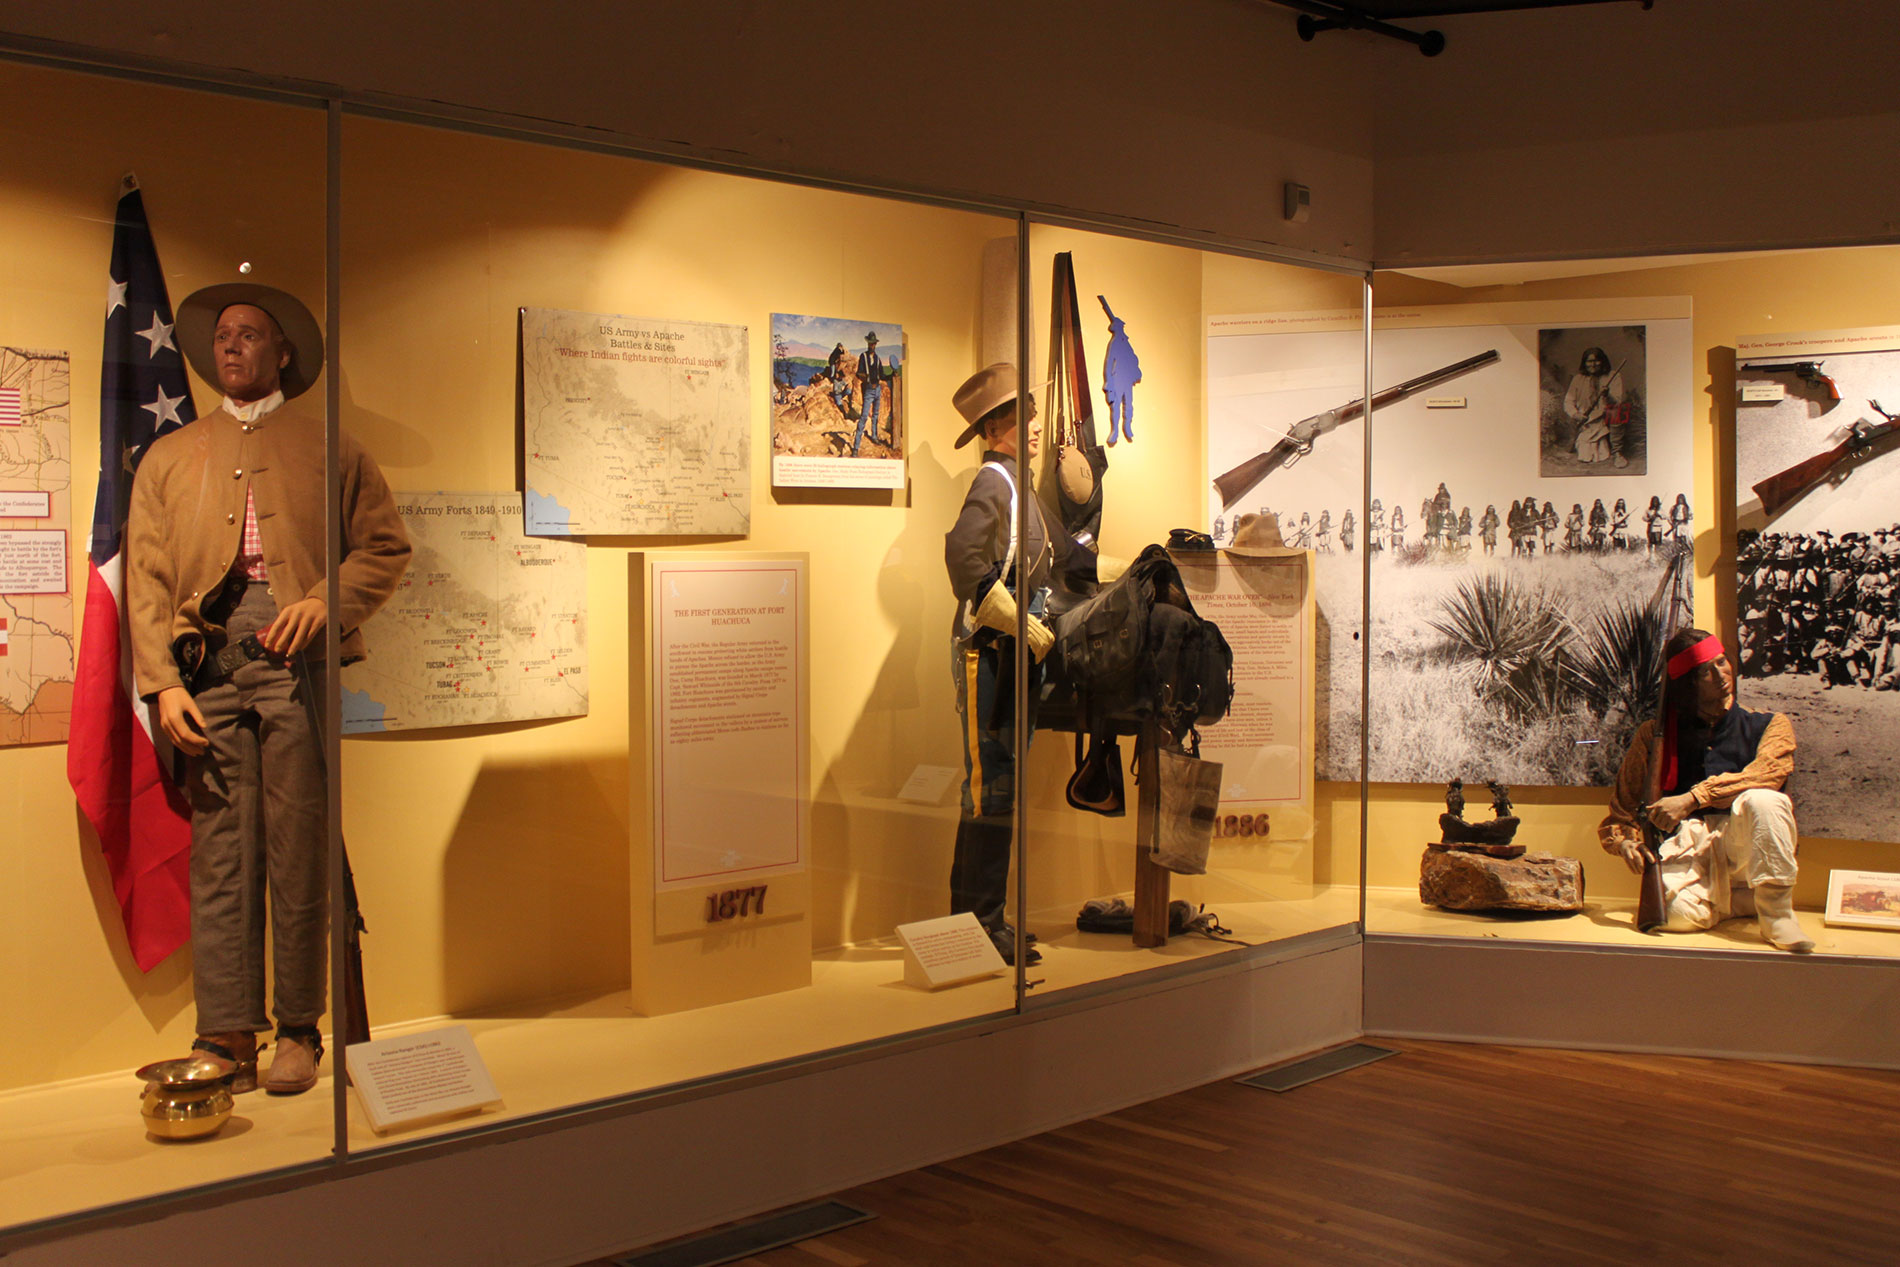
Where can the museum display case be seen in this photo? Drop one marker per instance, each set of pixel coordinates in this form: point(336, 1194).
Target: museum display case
point(689, 750)
point(651, 776)
point(1277, 864)
point(1532, 662)
point(685, 851)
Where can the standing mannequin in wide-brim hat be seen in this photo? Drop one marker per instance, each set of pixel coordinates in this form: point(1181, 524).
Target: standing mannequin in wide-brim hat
point(992, 572)
point(226, 587)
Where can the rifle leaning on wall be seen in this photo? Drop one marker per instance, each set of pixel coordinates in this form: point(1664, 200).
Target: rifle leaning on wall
point(1777, 491)
point(352, 1012)
point(1298, 442)
point(1652, 904)
point(1079, 461)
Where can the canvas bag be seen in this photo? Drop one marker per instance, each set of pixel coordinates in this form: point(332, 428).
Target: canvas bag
point(1189, 800)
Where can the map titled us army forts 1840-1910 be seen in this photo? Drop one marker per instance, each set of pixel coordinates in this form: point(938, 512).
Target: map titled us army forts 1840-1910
point(36, 596)
point(633, 426)
point(488, 625)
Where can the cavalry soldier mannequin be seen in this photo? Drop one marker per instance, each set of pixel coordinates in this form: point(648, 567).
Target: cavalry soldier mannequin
point(226, 585)
point(984, 558)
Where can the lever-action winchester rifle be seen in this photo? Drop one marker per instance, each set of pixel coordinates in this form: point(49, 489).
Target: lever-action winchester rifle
point(1652, 903)
point(1808, 372)
point(1299, 441)
point(1778, 490)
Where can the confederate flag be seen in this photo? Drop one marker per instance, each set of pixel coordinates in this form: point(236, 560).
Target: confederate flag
point(118, 762)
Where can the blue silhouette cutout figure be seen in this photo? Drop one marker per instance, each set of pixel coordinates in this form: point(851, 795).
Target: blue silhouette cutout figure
point(1121, 370)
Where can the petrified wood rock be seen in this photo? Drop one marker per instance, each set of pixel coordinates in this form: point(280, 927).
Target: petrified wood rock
point(1459, 880)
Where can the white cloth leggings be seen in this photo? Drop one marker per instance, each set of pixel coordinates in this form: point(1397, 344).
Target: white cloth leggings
point(1751, 843)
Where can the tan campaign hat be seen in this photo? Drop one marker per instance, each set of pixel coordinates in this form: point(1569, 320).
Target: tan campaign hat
point(983, 391)
point(198, 321)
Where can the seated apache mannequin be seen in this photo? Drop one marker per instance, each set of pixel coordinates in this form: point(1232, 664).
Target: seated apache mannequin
point(1728, 829)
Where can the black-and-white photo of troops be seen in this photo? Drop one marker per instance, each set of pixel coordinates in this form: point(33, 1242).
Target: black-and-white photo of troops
point(1811, 604)
point(1817, 483)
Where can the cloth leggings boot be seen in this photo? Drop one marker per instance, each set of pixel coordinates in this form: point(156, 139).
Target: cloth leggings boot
point(1774, 912)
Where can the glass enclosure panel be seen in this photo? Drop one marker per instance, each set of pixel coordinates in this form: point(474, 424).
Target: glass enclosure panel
point(100, 969)
point(1168, 359)
point(1532, 665)
point(647, 777)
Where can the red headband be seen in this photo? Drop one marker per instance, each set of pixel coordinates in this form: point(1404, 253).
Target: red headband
point(1689, 657)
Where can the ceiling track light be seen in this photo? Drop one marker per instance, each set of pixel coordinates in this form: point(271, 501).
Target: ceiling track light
point(1334, 15)
point(1316, 17)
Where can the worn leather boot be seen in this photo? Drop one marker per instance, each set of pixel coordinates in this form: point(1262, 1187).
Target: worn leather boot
point(1004, 939)
point(236, 1050)
point(1774, 912)
point(293, 1066)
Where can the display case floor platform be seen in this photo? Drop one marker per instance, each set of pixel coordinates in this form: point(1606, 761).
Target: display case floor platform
point(73, 1146)
point(1397, 912)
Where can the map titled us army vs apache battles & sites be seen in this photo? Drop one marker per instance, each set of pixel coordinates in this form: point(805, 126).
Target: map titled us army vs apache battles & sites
point(633, 426)
point(36, 596)
point(488, 625)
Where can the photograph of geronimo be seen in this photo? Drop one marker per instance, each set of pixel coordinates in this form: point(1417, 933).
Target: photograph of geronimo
point(1592, 401)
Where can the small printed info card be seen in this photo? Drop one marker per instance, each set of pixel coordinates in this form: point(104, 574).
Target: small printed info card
point(947, 951)
point(420, 1077)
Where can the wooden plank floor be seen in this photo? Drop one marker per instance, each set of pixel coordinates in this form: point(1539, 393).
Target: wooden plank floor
point(1445, 1154)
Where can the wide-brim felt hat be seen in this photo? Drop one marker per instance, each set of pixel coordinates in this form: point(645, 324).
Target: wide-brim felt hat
point(198, 322)
point(984, 391)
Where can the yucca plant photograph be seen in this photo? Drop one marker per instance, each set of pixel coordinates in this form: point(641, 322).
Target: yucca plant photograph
point(1533, 670)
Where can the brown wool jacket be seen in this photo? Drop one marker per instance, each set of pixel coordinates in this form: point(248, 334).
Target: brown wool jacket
point(187, 516)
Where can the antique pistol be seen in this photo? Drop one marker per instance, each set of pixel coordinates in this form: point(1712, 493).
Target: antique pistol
point(1809, 372)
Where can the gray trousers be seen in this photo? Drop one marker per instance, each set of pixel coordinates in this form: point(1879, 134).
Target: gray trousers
point(257, 827)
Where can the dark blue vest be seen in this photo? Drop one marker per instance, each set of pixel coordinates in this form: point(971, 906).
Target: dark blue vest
point(1724, 748)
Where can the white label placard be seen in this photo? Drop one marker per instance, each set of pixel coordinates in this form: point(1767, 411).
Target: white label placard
point(947, 951)
point(1446, 402)
point(729, 719)
point(25, 503)
point(927, 784)
point(419, 1077)
point(33, 561)
point(1763, 393)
